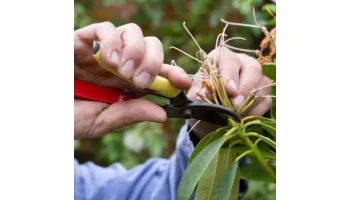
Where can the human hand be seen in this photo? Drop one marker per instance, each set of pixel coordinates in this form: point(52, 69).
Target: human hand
point(241, 74)
point(136, 58)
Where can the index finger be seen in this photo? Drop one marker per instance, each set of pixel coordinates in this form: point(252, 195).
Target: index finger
point(109, 39)
point(176, 75)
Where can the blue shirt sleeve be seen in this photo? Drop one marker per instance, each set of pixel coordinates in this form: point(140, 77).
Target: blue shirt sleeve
point(155, 179)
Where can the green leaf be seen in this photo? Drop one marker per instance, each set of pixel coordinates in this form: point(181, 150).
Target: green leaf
point(268, 124)
point(269, 70)
point(213, 173)
point(214, 19)
point(255, 172)
point(265, 152)
point(271, 7)
point(76, 144)
point(265, 139)
point(205, 141)
point(228, 186)
point(199, 164)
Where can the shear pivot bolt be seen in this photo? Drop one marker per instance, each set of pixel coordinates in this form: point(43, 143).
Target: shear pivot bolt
point(187, 113)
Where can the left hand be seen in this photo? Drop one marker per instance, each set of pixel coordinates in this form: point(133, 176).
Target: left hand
point(241, 73)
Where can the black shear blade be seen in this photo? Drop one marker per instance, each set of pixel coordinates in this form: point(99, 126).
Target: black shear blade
point(182, 107)
point(212, 113)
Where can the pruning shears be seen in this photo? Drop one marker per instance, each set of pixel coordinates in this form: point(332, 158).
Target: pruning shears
point(179, 106)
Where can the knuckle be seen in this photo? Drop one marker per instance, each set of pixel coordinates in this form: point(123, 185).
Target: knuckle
point(154, 40)
point(134, 26)
point(137, 53)
point(154, 66)
point(128, 121)
point(107, 24)
point(268, 103)
point(226, 55)
point(253, 64)
point(129, 118)
point(245, 89)
point(234, 58)
point(265, 80)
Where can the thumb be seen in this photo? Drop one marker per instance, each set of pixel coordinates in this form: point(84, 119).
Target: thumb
point(127, 113)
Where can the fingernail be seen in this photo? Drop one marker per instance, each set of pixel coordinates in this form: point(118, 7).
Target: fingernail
point(143, 79)
point(128, 68)
point(238, 101)
point(233, 85)
point(114, 57)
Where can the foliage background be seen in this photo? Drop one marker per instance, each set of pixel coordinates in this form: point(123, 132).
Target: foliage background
point(163, 18)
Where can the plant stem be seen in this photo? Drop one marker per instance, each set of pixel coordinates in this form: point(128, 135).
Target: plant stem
point(251, 123)
point(204, 98)
point(236, 142)
point(246, 102)
point(249, 104)
point(257, 142)
point(215, 98)
point(248, 118)
point(243, 154)
point(260, 158)
point(228, 102)
point(218, 90)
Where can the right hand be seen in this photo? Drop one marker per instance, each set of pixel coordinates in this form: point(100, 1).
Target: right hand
point(137, 58)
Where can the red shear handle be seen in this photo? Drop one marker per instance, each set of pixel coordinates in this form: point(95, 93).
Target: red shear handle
point(88, 91)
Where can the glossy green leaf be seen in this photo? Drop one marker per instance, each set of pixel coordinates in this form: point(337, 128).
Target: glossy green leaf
point(265, 139)
point(273, 112)
point(269, 70)
point(214, 172)
point(255, 172)
point(265, 152)
point(205, 141)
point(269, 125)
point(198, 166)
point(228, 186)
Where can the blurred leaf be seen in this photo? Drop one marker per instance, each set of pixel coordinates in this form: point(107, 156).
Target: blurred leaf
point(78, 9)
point(271, 7)
point(76, 144)
point(269, 70)
point(107, 3)
point(259, 190)
point(273, 111)
point(255, 172)
point(214, 19)
point(265, 152)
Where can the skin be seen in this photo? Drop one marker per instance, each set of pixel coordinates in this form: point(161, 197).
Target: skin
point(141, 59)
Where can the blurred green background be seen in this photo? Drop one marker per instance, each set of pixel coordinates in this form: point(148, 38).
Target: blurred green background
point(135, 144)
